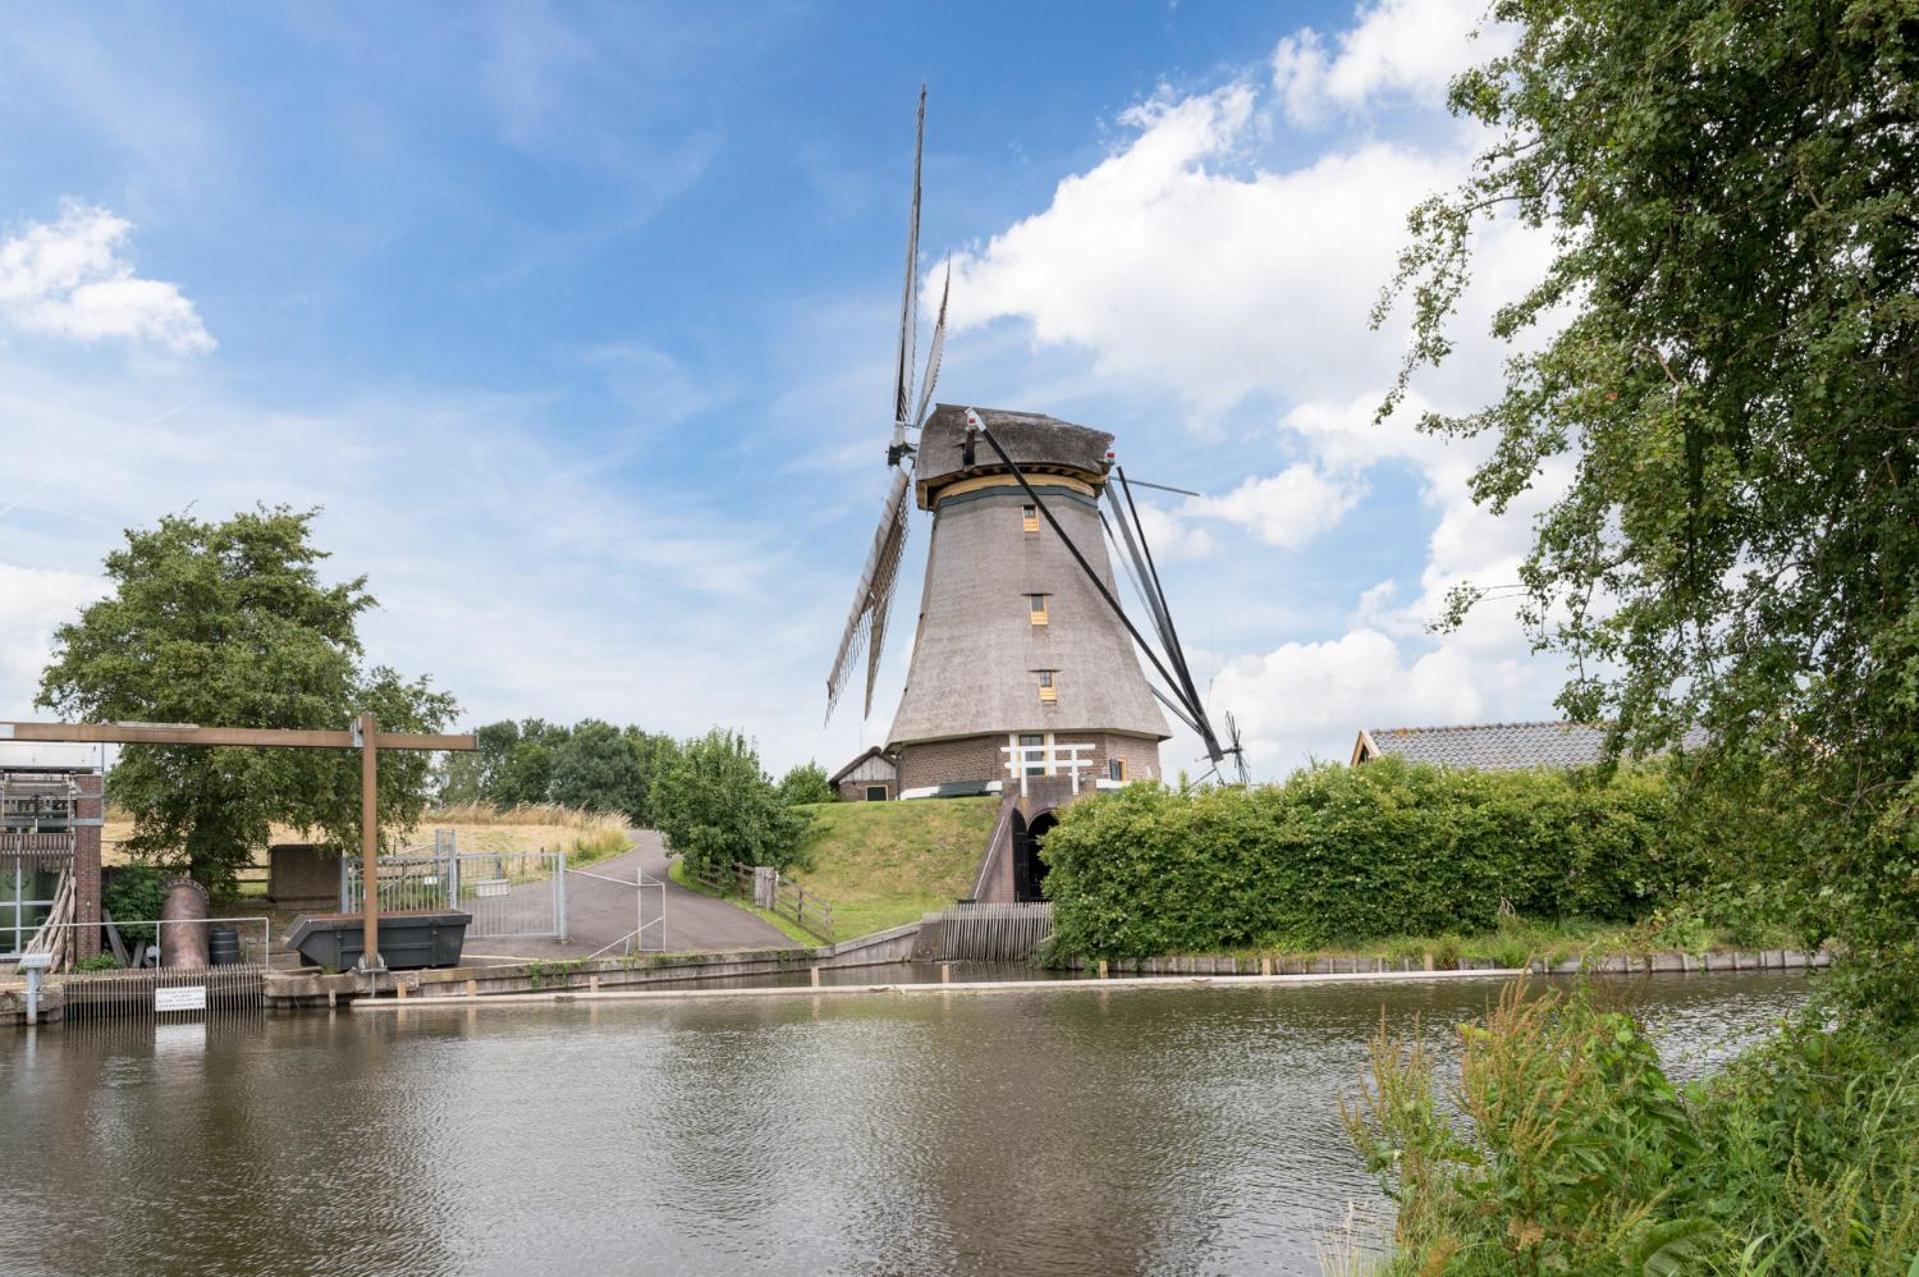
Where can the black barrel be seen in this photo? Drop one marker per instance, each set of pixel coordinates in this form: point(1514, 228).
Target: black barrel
point(223, 947)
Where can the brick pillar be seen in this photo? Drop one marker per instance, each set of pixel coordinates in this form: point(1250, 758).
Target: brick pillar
point(86, 863)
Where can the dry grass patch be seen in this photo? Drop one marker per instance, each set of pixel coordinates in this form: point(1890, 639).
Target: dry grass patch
point(585, 835)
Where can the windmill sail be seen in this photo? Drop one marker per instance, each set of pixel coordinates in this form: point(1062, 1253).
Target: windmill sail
point(933, 352)
point(866, 625)
point(903, 365)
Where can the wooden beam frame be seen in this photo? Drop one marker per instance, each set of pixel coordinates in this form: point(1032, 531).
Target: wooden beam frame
point(223, 737)
point(364, 736)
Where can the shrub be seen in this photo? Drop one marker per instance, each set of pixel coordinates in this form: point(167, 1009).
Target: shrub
point(135, 892)
point(98, 962)
point(1577, 1155)
point(806, 783)
point(1343, 854)
point(715, 807)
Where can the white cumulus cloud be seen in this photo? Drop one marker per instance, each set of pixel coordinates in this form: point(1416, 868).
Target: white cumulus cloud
point(1409, 48)
point(71, 278)
point(1287, 509)
point(1175, 270)
point(32, 602)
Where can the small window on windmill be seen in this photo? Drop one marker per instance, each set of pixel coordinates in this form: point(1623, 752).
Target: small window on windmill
point(876, 793)
point(1116, 769)
point(1034, 743)
point(1029, 517)
point(1037, 608)
point(1047, 692)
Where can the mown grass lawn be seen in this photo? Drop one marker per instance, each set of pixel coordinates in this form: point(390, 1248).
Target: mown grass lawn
point(884, 864)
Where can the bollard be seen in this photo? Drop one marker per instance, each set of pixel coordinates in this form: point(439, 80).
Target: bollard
point(1265, 966)
point(34, 964)
point(946, 973)
point(472, 988)
point(816, 977)
point(593, 984)
point(1102, 968)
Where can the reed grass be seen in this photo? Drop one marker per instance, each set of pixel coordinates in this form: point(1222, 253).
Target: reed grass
point(1564, 1148)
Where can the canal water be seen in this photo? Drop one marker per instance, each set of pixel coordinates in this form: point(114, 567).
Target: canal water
point(1180, 1130)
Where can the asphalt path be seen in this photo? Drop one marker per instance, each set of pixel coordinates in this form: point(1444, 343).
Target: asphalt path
point(602, 906)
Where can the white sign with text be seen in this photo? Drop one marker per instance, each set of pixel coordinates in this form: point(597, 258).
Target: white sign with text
point(188, 997)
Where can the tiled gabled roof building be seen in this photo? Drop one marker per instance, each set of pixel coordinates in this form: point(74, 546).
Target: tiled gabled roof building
point(1493, 746)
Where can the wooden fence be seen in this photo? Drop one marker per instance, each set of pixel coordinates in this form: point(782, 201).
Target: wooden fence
point(980, 932)
point(805, 909)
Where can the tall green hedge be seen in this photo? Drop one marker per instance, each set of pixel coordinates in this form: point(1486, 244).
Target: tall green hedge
point(1338, 854)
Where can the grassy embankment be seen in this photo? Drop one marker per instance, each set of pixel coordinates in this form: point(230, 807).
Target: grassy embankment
point(884, 864)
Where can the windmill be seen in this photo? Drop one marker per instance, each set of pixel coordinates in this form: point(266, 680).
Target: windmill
point(873, 599)
point(1024, 662)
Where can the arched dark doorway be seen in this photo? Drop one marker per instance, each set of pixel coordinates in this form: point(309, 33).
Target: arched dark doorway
point(1029, 871)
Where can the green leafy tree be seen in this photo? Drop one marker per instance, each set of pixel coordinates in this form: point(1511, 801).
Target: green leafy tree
point(229, 624)
point(471, 776)
point(1726, 350)
point(806, 783)
point(595, 769)
point(716, 807)
point(525, 778)
point(652, 753)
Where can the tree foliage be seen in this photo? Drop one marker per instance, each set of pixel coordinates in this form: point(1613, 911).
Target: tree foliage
point(229, 624)
point(806, 783)
point(591, 766)
point(716, 807)
point(1727, 353)
point(1353, 854)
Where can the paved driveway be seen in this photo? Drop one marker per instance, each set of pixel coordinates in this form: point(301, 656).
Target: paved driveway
point(600, 912)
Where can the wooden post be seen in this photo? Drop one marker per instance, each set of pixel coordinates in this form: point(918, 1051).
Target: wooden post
point(816, 977)
point(1102, 968)
point(370, 842)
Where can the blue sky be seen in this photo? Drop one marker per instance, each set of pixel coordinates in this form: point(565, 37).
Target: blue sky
point(577, 321)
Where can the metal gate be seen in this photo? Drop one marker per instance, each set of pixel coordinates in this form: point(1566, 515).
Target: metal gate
point(605, 902)
point(509, 893)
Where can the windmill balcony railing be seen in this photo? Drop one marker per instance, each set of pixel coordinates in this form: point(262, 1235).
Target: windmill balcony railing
point(1071, 759)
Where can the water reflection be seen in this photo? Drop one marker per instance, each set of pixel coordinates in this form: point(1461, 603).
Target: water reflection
point(1172, 1130)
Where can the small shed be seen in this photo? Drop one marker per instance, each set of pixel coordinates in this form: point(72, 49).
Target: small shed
point(872, 777)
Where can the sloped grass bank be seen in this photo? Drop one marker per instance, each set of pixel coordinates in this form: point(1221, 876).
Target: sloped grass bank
point(885, 864)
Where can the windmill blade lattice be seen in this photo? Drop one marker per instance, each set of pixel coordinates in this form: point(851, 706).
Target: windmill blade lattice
point(866, 625)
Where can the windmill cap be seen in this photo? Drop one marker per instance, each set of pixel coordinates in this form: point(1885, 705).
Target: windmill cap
point(1035, 442)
